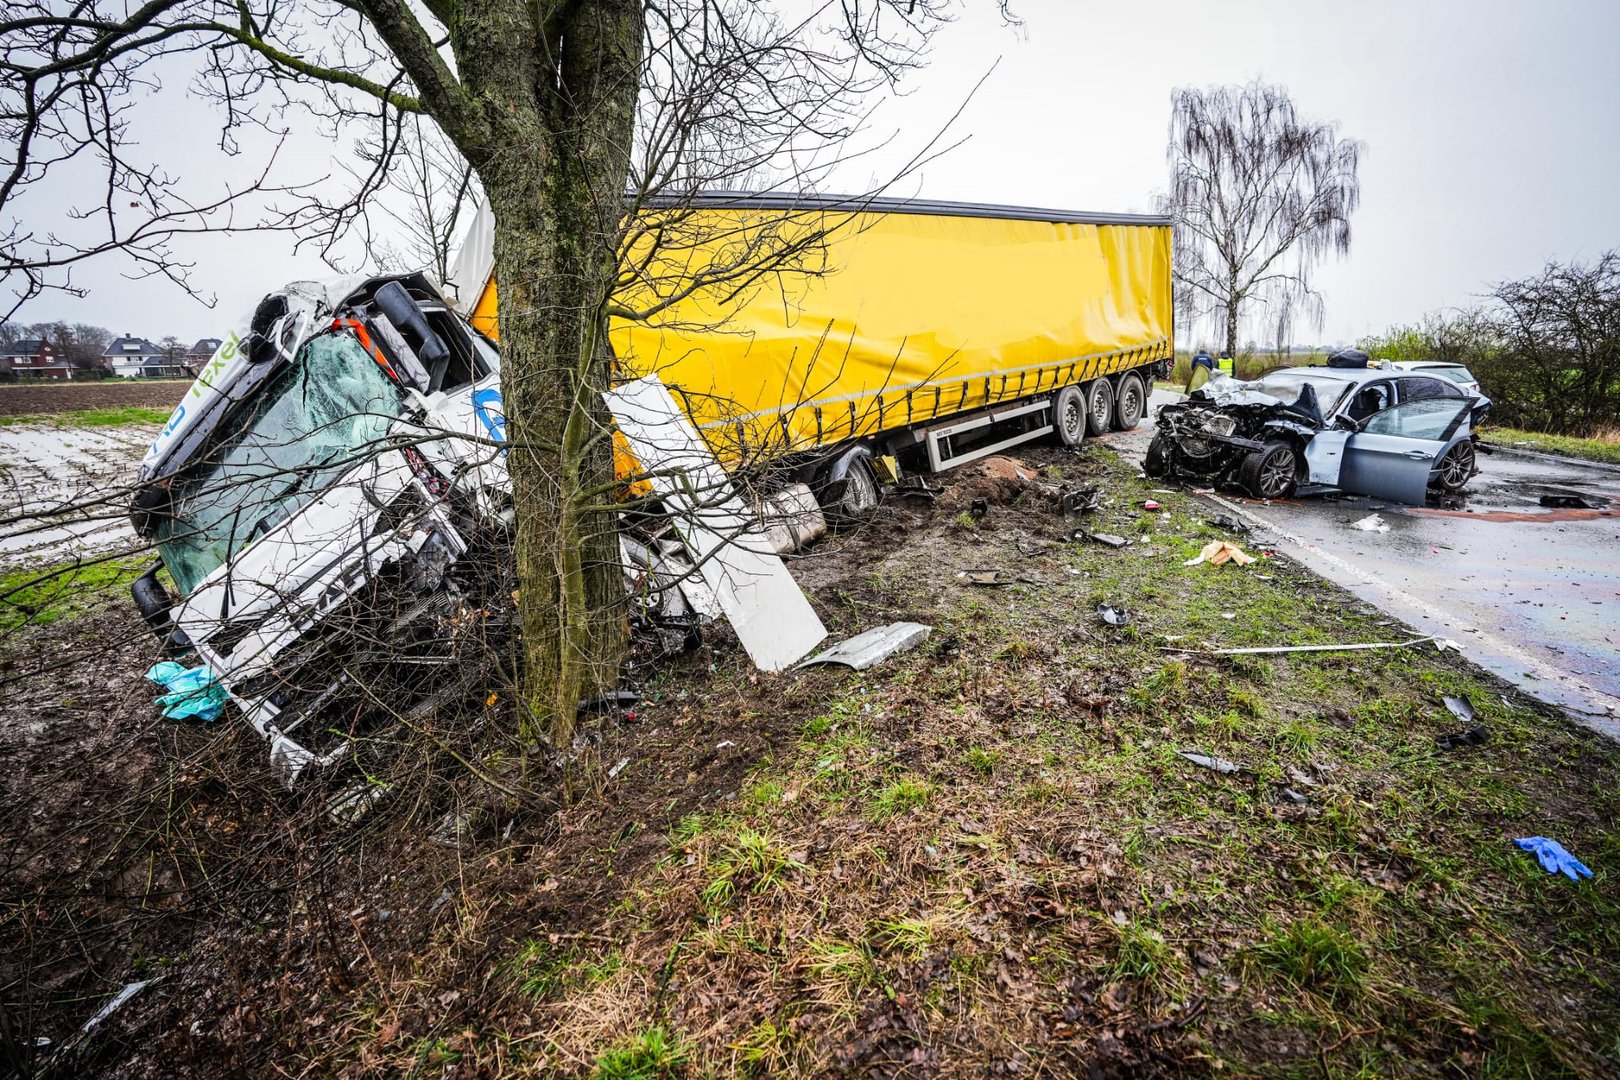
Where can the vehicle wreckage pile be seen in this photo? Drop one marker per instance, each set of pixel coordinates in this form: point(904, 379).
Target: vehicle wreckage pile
point(332, 503)
point(1311, 430)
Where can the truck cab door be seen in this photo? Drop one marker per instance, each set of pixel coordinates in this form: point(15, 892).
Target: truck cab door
point(1398, 449)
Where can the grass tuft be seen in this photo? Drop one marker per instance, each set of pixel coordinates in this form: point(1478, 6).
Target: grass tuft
point(1314, 954)
point(900, 796)
point(648, 1055)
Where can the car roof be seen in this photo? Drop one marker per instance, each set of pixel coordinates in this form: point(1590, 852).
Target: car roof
point(1343, 374)
point(1413, 365)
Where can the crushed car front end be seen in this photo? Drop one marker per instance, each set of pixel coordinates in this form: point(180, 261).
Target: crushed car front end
point(1229, 434)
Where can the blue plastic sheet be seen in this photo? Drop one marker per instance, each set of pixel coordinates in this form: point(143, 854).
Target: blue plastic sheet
point(192, 692)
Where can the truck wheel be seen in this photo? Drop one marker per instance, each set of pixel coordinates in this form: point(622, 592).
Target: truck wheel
point(1157, 462)
point(1069, 416)
point(859, 498)
point(1271, 473)
point(1100, 407)
point(1130, 403)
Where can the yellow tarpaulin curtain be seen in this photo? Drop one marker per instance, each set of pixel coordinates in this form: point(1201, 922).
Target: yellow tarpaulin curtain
point(812, 326)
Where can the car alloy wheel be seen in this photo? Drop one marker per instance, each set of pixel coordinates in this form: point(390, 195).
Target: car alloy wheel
point(1457, 467)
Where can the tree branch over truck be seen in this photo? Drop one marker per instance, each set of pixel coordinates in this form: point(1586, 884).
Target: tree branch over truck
point(557, 106)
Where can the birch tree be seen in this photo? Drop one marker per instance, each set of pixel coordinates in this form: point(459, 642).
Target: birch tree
point(1261, 197)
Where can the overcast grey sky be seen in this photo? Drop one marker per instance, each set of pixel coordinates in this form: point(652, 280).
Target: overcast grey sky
point(1492, 132)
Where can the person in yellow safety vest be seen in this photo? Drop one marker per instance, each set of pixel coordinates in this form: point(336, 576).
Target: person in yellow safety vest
point(1224, 366)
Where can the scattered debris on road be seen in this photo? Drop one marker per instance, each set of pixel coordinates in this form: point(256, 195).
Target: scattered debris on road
point(1371, 523)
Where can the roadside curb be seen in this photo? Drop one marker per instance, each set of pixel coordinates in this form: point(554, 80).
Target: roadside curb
point(1561, 459)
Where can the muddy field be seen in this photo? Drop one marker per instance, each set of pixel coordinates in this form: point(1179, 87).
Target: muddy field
point(47, 398)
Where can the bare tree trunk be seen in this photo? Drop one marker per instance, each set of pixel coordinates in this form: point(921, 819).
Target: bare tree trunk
point(1232, 302)
point(557, 198)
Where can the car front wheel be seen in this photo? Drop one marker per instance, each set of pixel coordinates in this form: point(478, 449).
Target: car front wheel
point(1456, 467)
point(1270, 473)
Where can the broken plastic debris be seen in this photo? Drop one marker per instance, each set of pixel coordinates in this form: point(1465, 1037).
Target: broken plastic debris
point(1570, 502)
point(1474, 736)
point(191, 691)
point(614, 701)
point(991, 577)
point(1288, 794)
point(1081, 501)
point(1220, 765)
point(1228, 523)
point(1106, 539)
point(1371, 523)
point(863, 650)
point(1461, 708)
point(1219, 551)
point(1150, 504)
point(74, 1046)
point(1113, 616)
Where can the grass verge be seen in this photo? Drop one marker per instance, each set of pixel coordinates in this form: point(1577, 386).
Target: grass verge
point(39, 596)
point(1606, 448)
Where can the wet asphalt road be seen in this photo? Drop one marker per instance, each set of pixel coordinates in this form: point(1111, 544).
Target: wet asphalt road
point(1530, 593)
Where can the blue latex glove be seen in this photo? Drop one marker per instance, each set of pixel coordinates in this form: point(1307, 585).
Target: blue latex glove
point(1554, 859)
point(191, 692)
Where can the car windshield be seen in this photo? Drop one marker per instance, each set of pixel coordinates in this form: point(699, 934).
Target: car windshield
point(1288, 385)
point(311, 423)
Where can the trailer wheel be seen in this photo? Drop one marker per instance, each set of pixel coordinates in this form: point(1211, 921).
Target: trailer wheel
point(1069, 416)
point(1100, 407)
point(1130, 403)
point(858, 499)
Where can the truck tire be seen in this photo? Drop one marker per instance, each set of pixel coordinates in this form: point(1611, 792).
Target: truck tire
point(1271, 472)
point(1156, 463)
point(1099, 407)
point(1069, 418)
point(860, 496)
point(1130, 402)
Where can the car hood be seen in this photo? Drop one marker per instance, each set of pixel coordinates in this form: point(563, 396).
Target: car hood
point(1229, 393)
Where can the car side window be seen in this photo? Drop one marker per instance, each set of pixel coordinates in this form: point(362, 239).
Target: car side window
point(1424, 418)
point(1419, 388)
point(1370, 399)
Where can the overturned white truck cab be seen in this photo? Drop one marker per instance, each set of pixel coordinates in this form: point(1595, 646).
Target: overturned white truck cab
point(314, 499)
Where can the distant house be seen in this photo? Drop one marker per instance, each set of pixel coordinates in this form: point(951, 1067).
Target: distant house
point(134, 358)
point(35, 358)
point(198, 355)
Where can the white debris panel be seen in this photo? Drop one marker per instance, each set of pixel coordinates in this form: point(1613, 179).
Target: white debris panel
point(766, 607)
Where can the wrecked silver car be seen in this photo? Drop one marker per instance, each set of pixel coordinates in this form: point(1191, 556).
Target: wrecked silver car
point(1316, 430)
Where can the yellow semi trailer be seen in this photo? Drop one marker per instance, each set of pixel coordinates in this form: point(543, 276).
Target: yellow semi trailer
point(831, 329)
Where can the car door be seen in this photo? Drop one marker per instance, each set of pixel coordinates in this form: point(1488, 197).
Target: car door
point(1398, 449)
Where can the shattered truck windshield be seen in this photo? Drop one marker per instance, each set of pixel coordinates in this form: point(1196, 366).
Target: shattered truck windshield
point(310, 423)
